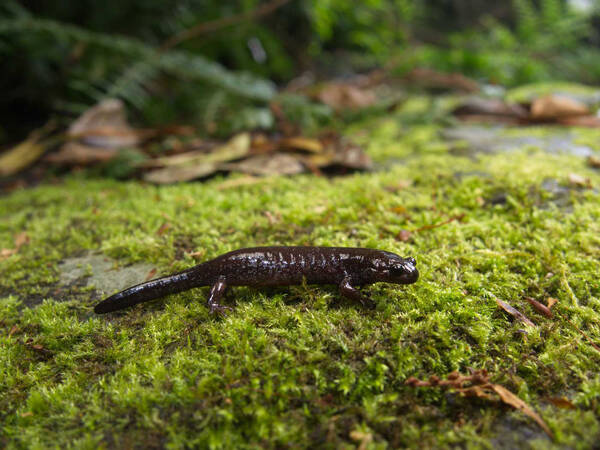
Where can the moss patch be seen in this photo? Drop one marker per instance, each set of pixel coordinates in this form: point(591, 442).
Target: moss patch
point(300, 366)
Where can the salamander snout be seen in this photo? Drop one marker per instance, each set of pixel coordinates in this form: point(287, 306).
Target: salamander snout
point(405, 271)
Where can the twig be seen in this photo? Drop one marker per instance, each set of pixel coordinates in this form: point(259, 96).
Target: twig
point(214, 25)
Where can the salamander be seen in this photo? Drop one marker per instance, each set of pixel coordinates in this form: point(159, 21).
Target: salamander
point(275, 266)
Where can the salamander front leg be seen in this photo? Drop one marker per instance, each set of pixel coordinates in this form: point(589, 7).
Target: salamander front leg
point(216, 294)
point(348, 291)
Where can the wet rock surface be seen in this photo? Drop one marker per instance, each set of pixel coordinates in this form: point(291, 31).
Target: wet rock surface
point(469, 140)
point(101, 273)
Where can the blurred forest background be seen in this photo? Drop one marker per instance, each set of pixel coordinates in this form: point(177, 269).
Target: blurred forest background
point(218, 65)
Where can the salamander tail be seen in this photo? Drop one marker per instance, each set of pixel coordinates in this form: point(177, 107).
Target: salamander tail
point(145, 292)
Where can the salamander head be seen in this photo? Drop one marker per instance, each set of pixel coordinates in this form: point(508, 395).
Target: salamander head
point(394, 269)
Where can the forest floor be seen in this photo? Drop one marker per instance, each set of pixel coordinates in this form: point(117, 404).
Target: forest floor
point(490, 213)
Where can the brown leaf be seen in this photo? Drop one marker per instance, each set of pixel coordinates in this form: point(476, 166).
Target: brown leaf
point(26, 414)
point(76, 154)
point(24, 154)
point(579, 181)
point(302, 143)
point(539, 307)
point(556, 106)
point(21, 239)
point(198, 254)
point(7, 252)
point(562, 402)
point(515, 313)
point(511, 399)
point(104, 125)
point(270, 164)
point(345, 96)
point(150, 274)
point(594, 161)
point(580, 121)
point(404, 235)
point(490, 107)
point(13, 330)
point(163, 228)
point(192, 165)
point(551, 301)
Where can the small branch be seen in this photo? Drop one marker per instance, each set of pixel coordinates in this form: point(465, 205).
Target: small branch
point(217, 24)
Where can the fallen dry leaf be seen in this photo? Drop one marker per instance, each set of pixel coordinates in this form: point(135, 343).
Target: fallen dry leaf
point(7, 252)
point(302, 143)
point(76, 154)
point(594, 161)
point(163, 228)
point(478, 385)
point(481, 107)
point(364, 439)
point(13, 330)
point(539, 307)
point(580, 121)
point(21, 239)
point(26, 414)
point(514, 312)
point(579, 181)
point(551, 301)
point(342, 96)
point(404, 235)
point(105, 125)
point(511, 399)
point(270, 164)
point(562, 402)
point(26, 153)
point(556, 106)
point(184, 167)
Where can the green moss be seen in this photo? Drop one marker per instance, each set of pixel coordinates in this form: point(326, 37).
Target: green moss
point(302, 366)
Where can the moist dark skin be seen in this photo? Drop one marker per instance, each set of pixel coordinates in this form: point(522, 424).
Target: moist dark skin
point(276, 266)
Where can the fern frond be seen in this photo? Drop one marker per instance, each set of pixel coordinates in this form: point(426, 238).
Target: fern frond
point(179, 63)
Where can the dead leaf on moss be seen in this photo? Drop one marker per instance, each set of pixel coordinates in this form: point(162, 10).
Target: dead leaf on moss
point(13, 330)
point(555, 106)
point(511, 399)
point(579, 181)
point(562, 402)
point(539, 307)
point(594, 161)
point(478, 385)
point(551, 301)
point(21, 239)
point(163, 228)
point(514, 312)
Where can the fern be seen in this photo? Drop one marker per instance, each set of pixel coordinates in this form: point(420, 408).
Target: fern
point(182, 64)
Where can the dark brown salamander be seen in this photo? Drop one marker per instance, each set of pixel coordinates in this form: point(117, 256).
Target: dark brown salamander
point(275, 266)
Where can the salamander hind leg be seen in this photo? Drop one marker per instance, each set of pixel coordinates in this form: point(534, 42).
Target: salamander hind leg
point(215, 296)
point(349, 291)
